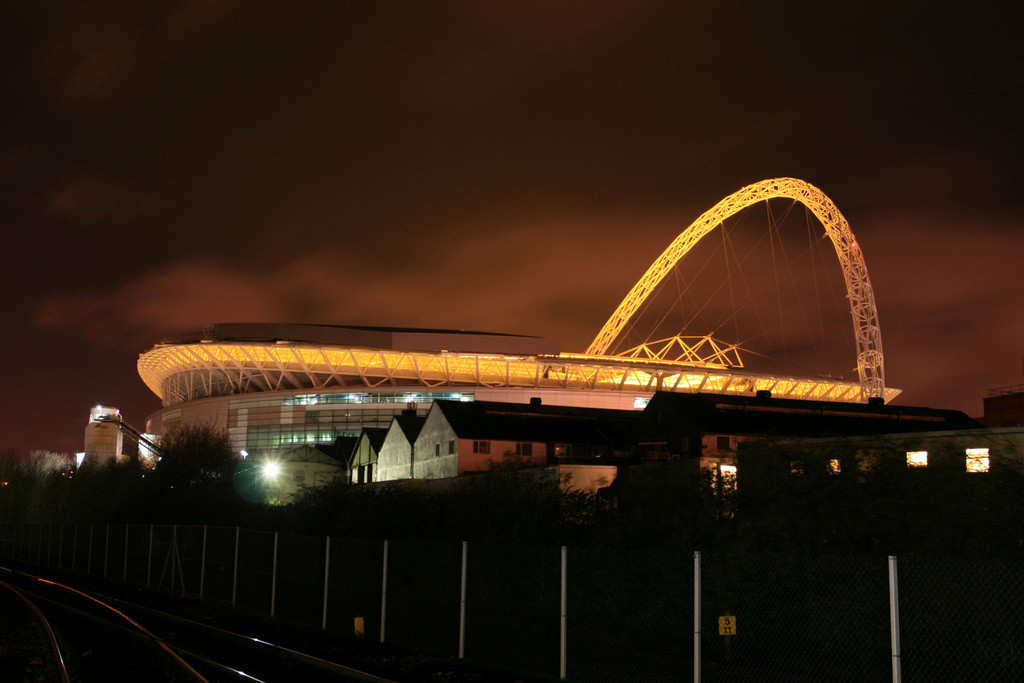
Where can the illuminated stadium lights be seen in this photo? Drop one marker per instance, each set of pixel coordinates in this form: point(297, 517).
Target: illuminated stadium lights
point(183, 373)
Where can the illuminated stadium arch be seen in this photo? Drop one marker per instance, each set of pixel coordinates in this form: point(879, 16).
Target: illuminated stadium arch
point(870, 366)
point(277, 385)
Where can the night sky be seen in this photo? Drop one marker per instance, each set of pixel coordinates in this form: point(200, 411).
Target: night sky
point(502, 166)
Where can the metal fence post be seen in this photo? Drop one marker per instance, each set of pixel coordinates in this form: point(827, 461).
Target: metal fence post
point(696, 617)
point(561, 635)
point(327, 574)
point(462, 603)
point(149, 562)
point(273, 579)
point(234, 579)
point(384, 592)
point(202, 564)
point(894, 620)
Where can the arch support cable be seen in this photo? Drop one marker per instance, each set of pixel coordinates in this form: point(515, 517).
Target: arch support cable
point(868, 337)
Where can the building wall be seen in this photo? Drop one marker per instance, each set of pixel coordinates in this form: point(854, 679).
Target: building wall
point(487, 455)
point(861, 456)
point(1005, 409)
point(363, 463)
point(586, 478)
point(395, 458)
point(440, 453)
point(433, 459)
point(297, 474)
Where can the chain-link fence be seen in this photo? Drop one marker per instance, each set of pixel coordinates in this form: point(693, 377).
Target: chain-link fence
point(585, 614)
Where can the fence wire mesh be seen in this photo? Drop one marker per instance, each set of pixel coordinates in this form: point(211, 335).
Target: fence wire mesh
point(629, 614)
point(961, 620)
point(795, 618)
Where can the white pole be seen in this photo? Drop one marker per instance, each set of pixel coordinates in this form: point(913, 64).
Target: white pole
point(384, 592)
point(149, 563)
point(234, 578)
point(327, 573)
point(202, 564)
point(561, 667)
point(894, 620)
point(462, 603)
point(273, 579)
point(696, 617)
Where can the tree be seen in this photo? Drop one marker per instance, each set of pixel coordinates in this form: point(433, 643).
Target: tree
point(195, 455)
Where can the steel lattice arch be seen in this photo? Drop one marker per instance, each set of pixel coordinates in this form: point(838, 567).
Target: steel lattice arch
point(303, 364)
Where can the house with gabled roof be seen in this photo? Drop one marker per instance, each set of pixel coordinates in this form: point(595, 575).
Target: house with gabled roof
point(459, 438)
point(363, 462)
point(310, 465)
point(397, 454)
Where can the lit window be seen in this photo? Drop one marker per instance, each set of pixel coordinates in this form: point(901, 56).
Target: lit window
point(977, 460)
point(728, 475)
point(834, 466)
point(796, 467)
point(483, 447)
point(524, 449)
point(917, 458)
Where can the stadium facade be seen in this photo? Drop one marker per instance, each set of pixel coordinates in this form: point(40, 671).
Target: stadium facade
point(274, 387)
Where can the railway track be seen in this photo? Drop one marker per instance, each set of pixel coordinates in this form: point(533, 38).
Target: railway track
point(70, 635)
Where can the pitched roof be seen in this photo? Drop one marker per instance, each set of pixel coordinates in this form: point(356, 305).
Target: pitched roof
point(410, 424)
point(375, 435)
point(539, 423)
point(694, 413)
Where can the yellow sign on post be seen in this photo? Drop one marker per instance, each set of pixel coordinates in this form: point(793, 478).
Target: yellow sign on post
point(727, 625)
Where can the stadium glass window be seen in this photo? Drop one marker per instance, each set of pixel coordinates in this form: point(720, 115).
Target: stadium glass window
point(834, 466)
point(483, 447)
point(524, 449)
point(977, 460)
point(796, 467)
point(917, 458)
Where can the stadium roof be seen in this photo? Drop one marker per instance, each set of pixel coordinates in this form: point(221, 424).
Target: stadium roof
point(249, 358)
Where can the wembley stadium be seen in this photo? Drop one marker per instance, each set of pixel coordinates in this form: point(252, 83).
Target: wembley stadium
point(277, 386)
point(274, 387)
